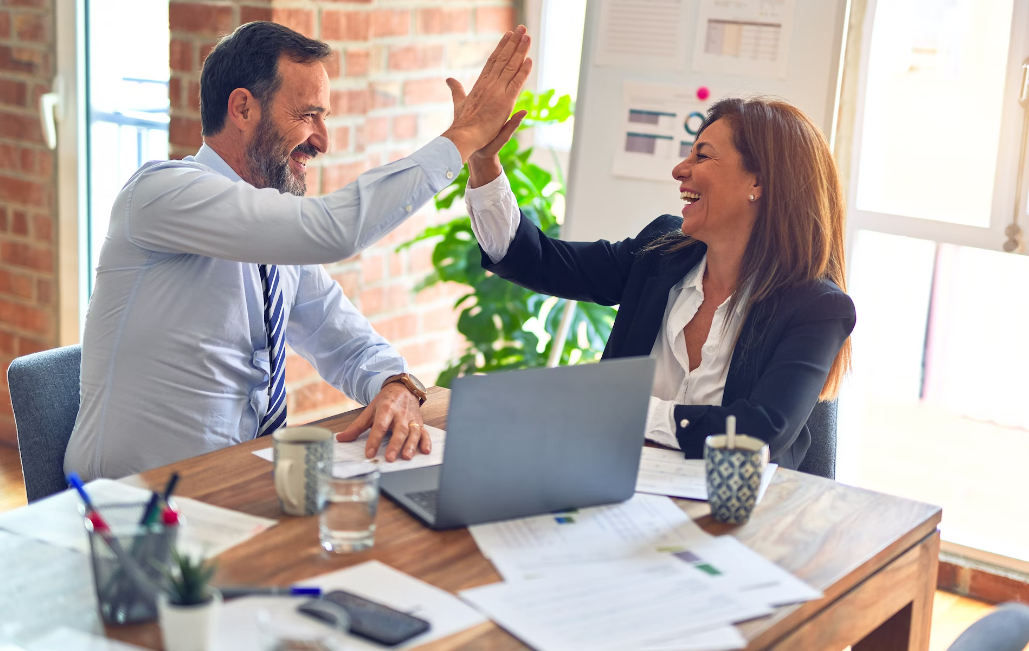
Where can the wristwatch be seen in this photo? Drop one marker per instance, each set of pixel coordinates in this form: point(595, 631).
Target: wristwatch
point(413, 384)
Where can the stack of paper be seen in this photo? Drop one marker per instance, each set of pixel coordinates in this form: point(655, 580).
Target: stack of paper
point(52, 587)
point(353, 452)
point(644, 559)
point(615, 611)
point(208, 530)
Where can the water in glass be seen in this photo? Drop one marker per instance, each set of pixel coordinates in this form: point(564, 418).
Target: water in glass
point(350, 498)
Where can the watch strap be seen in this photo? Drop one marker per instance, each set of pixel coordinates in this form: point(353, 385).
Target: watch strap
point(411, 384)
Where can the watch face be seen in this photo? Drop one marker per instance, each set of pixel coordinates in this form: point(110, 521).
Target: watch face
point(417, 383)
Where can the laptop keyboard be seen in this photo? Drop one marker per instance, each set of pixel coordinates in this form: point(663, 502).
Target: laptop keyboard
point(425, 499)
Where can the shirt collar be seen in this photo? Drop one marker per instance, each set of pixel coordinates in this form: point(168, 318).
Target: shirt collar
point(694, 278)
point(210, 158)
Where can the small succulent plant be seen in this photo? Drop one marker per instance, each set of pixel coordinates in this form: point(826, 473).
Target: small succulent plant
point(189, 579)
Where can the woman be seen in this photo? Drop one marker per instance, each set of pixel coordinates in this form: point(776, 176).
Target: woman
point(741, 301)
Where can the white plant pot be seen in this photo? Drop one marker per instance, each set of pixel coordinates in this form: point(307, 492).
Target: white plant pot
point(189, 628)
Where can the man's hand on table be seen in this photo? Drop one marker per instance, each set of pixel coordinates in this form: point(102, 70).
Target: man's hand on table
point(394, 408)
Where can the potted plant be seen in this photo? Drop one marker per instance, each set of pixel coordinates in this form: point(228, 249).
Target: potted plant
point(188, 610)
point(506, 326)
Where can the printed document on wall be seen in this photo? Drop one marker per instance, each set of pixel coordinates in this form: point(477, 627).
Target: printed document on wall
point(643, 34)
point(659, 126)
point(744, 37)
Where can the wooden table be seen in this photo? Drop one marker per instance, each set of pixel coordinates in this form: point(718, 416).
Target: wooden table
point(874, 556)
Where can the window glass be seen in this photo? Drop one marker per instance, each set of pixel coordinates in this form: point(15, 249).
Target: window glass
point(127, 102)
point(932, 115)
point(560, 49)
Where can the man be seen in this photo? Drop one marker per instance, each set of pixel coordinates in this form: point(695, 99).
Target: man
point(212, 264)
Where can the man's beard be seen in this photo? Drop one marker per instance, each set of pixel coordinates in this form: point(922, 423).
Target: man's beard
point(269, 166)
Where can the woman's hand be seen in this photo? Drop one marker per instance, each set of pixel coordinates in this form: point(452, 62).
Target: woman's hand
point(484, 165)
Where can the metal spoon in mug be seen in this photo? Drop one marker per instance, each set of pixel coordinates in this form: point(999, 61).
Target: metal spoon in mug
point(730, 432)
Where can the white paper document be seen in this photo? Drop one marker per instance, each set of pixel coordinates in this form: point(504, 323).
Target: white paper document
point(744, 37)
point(353, 452)
point(659, 125)
point(208, 530)
point(632, 537)
point(666, 472)
point(66, 639)
point(42, 588)
point(733, 565)
point(614, 612)
point(644, 523)
point(643, 34)
point(725, 638)
point(238, 628)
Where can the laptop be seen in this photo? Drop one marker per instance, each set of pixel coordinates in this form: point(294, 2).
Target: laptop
point(522, 443)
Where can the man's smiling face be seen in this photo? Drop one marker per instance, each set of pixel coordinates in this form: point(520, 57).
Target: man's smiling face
point(292, 130)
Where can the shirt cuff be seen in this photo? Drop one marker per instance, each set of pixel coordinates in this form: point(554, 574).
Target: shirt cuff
point(494, 214)
point(441, 161)
point(376, 381)
point(486, 196)
point(661, 422)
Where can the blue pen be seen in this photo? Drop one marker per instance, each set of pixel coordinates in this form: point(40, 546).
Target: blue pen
point(76, 483)
point(291, 591)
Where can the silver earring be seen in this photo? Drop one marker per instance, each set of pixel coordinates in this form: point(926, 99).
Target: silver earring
point(752, 197)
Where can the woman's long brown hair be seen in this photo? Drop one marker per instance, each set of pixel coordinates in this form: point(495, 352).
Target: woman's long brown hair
point(798, 236)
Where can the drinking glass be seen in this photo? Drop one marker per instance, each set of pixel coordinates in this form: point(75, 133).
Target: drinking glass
point(349, 501)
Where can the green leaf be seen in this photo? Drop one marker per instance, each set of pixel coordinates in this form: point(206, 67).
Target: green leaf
point(543, 108)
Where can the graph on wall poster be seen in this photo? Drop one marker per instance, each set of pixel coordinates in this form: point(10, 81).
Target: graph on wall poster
point(744, 37)
point(755, 41)
point(659, 125)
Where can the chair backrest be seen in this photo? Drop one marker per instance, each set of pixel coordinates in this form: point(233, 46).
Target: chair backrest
point(1004, 629)
point(45, 396)
point(821, 456)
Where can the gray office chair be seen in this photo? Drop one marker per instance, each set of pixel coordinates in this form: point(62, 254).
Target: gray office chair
point(45, 396)
point(1005, 629)
point(821, 456)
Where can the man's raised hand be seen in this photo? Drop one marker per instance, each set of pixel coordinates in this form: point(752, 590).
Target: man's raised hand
point(480, 114)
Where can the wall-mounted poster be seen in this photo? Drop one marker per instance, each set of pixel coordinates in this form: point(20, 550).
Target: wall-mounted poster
point(744, 37)
point(659, 125)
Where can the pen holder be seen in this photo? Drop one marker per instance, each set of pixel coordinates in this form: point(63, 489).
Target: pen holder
point(129, 561)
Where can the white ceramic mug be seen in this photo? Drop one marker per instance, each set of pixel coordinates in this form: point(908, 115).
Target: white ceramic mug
point(301, 454)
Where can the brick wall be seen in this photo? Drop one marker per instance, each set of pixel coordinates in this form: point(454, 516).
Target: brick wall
point(388, 98)
point(28, 310)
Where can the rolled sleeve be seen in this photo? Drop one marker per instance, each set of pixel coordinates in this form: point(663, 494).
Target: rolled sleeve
point(327, 331)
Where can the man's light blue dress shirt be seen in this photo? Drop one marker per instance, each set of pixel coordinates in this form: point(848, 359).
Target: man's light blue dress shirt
point(175, 353)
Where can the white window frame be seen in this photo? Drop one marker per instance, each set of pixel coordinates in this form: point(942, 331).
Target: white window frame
point(1004, 193)
point(72, 288)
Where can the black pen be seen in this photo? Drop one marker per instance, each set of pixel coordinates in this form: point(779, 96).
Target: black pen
point(174, 479)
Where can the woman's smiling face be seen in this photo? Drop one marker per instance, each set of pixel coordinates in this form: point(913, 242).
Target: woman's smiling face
point(716, 188)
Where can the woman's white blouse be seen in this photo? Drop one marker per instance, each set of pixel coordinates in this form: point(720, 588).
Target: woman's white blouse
point(494, 215)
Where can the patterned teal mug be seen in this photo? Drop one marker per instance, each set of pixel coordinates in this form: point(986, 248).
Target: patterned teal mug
point(300, 456)
point(734, 476)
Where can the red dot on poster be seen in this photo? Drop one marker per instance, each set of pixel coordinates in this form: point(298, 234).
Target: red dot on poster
point(703, 93)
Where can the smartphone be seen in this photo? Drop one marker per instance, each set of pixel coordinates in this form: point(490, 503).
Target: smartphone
point(368, 619)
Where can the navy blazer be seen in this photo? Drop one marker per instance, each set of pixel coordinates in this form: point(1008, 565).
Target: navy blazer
point(786, 346)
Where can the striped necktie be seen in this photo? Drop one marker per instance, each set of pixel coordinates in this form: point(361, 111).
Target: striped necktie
point(273, 323)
